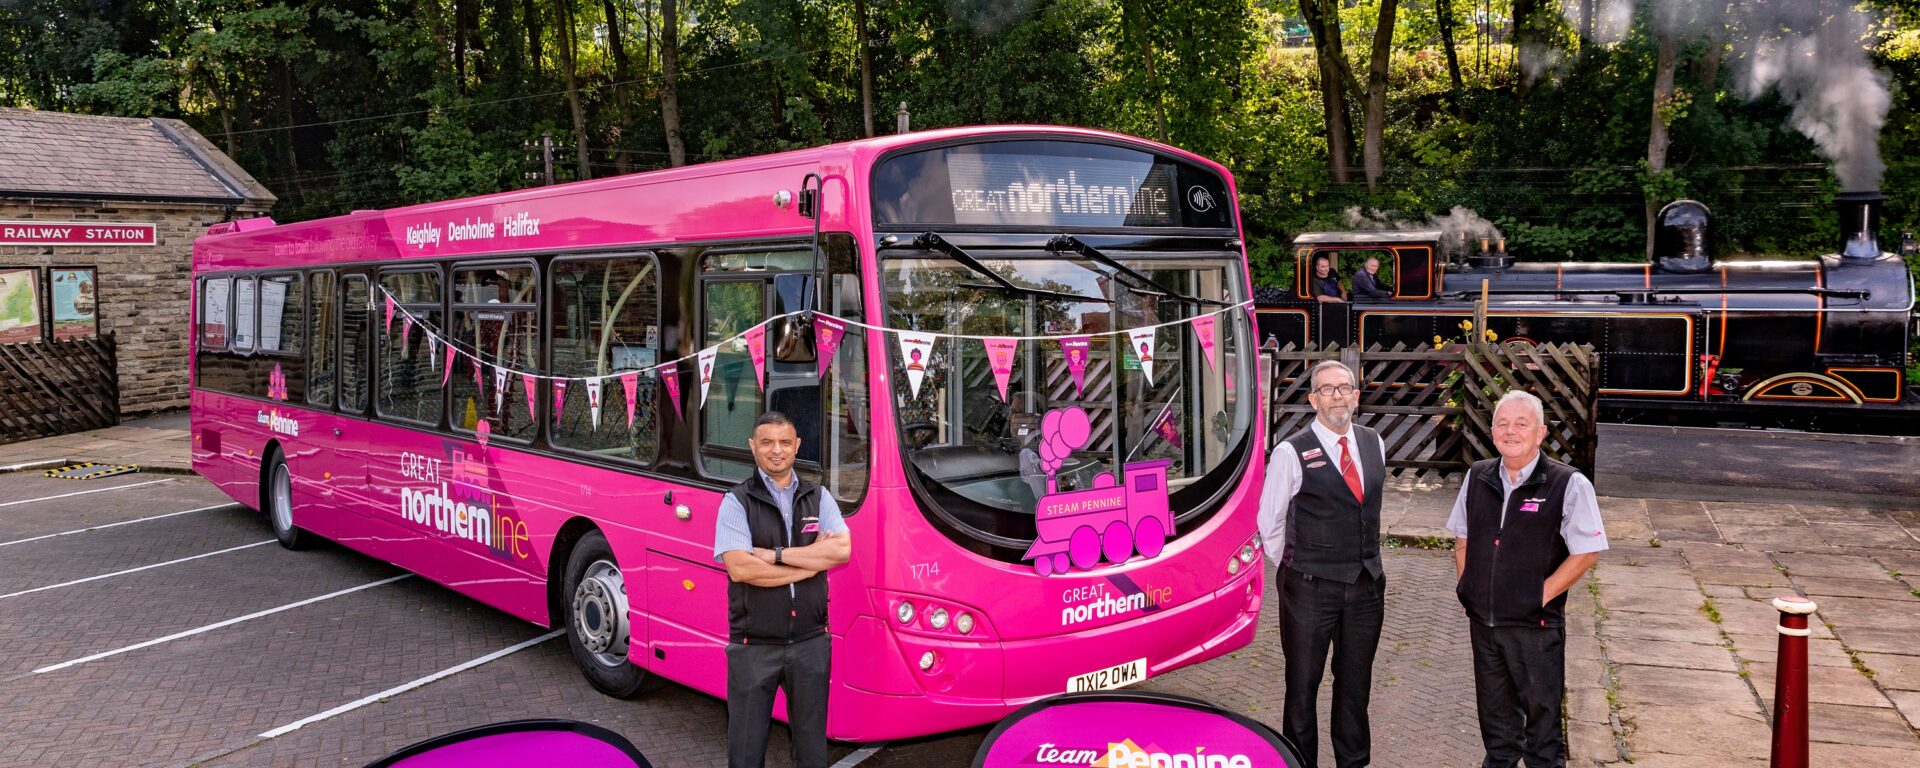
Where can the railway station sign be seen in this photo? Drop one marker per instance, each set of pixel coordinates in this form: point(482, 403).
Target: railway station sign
point(77, 233)
point(1125, 729)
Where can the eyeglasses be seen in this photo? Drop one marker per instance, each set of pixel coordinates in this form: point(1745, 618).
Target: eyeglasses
point(1334, 390)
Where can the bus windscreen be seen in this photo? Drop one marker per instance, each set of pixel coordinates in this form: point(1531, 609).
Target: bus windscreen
point(1051, 184)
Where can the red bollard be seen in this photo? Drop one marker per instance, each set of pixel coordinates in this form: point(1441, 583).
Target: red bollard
point(1790, 683)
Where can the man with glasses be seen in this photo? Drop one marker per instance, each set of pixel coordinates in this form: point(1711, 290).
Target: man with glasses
point(1528, 527)
point(1320, 522)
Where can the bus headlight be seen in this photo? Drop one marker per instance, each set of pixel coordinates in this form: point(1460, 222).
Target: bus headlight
point(1246, 554)
point(937, 618)
point(964, 623)
point(1233, 565)
point(904, 611)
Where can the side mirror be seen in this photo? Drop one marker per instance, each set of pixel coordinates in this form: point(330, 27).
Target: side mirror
point(793, 336)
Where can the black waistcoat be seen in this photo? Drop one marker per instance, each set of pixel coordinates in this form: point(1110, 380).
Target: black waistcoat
point(1329, 534)
point(778, 615)
point(1508, 564)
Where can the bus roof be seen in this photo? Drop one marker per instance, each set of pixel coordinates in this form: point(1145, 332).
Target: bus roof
point(727, 199)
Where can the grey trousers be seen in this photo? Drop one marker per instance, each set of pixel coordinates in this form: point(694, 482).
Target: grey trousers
point(754, 672)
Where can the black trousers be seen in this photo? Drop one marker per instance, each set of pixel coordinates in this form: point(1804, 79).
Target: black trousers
point(754, 672)
point(1317, 613)
point(1519, 677)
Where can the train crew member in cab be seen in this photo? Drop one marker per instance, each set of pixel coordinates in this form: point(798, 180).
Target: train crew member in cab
point(1527, 528)
point(1366, 282)
point(1320, 521)
point(1324, 285)
point(778, 535)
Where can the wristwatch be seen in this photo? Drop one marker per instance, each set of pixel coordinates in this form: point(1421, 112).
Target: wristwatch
point(776, 555)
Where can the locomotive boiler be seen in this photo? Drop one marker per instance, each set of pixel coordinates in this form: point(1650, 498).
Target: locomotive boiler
point(1681, 332)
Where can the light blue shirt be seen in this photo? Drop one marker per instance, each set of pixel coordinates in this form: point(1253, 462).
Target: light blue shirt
point(1580, 525)
point(730, 527)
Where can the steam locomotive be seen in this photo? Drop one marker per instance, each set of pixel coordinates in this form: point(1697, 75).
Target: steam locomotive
point(1797, 339)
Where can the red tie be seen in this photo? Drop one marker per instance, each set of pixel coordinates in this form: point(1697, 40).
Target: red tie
point(1350, 472)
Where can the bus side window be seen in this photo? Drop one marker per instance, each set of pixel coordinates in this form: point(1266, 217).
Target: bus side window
point(409, 375)
point(606, 320)
point(493, 315)
point(356, 320)
point(321, 316)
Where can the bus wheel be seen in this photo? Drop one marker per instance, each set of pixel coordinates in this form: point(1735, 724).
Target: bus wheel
point(597, 622)
point(278, 502)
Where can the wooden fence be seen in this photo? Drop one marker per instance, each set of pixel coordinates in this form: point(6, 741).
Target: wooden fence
point(58, 387)
point(1433, 407)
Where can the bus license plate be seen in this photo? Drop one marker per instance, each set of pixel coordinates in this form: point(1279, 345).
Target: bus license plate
point(1107, 679)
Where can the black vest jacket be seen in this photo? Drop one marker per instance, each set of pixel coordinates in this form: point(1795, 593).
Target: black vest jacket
point(1329, 534)
point(1507, 565)
point(778, 615)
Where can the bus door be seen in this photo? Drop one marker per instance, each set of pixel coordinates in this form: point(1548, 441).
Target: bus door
point(346, 441)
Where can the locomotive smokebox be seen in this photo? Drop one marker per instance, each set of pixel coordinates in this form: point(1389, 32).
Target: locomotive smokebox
point(1682, 237)
point(1859, 221)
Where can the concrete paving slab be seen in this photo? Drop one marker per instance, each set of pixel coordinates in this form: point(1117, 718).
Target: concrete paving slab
point(1747, 513)
point(1774, 538)
point(1820, 513)
point(1832, 566)
point(1644, 686)
point(1590, 742)
point(1893, 670)
point(1665, 653)
point(1745, 577)
point(1651, 599)
point(1697, 731)
point(1822, 653)
point(1900, 641)
point(1825, 685)
point(1660, 626)
point(1758, 617)
point(1908, 704)
point(1872, 536)
point(1720, 555)
point(1865, 726)
point(1855, 756)
point(1882, 588)
point(1902, 613)
point(1663, 576)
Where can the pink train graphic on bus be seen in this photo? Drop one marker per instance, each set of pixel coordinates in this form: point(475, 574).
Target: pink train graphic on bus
point(1110, 521)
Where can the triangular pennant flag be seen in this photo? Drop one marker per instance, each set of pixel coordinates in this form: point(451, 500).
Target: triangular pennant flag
point(406, 328)
point(526, 382)
point(433, 346)
point(447, 374)
point(828, 331)
point(757, 352)
point(1203, 328)
point(1167, 427)
point(593, 401)
point(670, 376)
point(476, 371)
point(389, 329)
point(631, 383)
point(1077, 349)
point(917, 350)
point(559, 398)
point(705, 367)
point(500, 390)
point(1000, 353)
point(1140, 342)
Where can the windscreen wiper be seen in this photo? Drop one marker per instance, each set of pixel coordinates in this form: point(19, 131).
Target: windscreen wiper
point(1147, 284)
point(933, 242)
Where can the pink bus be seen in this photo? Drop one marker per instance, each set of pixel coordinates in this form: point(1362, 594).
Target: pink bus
point(444, 387)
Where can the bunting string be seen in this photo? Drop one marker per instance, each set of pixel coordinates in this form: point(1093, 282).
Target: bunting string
point(756, 333)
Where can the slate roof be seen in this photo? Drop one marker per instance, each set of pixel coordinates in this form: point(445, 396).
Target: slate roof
point(67, 155)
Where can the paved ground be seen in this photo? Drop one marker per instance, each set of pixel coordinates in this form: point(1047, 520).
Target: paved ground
point(1670, 647)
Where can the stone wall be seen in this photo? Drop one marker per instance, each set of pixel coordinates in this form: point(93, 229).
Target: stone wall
point(144, 290)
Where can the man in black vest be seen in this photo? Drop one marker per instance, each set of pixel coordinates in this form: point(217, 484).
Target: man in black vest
point(778, 534)
point(1534, 527)
point(1320, 521)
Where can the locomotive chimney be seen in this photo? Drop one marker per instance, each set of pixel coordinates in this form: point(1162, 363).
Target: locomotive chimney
point(1683, 238)
point(1859, 223)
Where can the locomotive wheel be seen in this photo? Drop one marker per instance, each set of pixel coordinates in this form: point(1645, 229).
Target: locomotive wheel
point(1084, 547)
point(1043, 565)
point(1118, 542)
point(1060, 562)
point(1151, 537)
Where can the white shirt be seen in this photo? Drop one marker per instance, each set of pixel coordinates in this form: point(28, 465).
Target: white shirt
point(1283, 483)
point(1580, 524)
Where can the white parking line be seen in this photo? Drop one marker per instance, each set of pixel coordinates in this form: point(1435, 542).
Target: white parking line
point(113, 525)
point(131, 570)
point(217, 625)
point(83, 493)
point(860, 755)
point(404, 687)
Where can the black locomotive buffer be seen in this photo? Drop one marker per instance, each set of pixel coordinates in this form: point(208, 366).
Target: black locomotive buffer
point(1790, 338)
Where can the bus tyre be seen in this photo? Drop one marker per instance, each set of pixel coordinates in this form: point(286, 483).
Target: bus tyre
point(277, 500)
point(597, 621)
